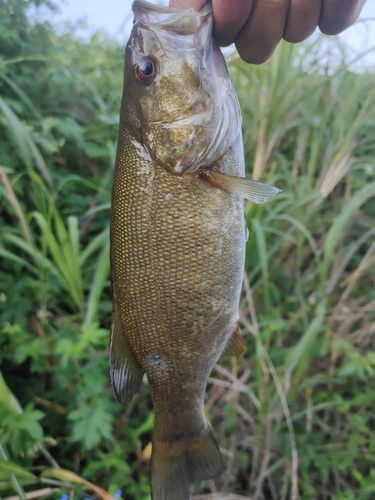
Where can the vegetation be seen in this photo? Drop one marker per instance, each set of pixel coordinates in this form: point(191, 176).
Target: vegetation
point(295, 415)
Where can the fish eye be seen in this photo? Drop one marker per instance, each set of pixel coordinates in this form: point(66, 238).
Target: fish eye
point(146, 69)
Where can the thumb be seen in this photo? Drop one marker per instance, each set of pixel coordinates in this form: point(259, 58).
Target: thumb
point(186, 4)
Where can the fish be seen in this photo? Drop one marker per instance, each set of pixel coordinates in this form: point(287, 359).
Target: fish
point(178, 235)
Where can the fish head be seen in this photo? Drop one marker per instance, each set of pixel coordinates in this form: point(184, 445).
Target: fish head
point(178, 97)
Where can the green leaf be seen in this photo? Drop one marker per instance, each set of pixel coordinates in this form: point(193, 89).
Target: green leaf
point(299, 354)
point(7, 468)
point(7, 399)
point(340, 222)
point(100, 277)
point(22, 138)
point(91, 424)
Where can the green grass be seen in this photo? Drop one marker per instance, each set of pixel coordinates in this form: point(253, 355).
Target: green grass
point(294, 414)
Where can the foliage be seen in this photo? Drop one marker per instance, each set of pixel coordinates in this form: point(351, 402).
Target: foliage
point(294, 415)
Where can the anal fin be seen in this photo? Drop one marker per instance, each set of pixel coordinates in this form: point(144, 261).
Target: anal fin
point(126, 372)
point(236, 345)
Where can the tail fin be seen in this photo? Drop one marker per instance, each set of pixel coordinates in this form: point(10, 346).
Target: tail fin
point(175, 466)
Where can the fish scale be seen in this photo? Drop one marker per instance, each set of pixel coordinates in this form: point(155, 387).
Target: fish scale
point(177, 235)
point(176, 286)
point(177, 275)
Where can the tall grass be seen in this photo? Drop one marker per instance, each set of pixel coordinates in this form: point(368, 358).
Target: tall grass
point(311, 134)
point(294, 415)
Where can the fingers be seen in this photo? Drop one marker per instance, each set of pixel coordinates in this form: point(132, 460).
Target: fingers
point(262, 32)
point(186, 4)
point(257, 26)
point(230, 18)
point(302, 19)
point(337, 15)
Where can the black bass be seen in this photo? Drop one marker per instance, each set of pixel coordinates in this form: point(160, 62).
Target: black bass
point(177, 234)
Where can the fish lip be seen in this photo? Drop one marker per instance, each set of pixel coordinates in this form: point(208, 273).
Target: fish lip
point(165, 9)
point(172, 19)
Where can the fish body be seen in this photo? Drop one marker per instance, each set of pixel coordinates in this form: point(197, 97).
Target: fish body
point(177, 234)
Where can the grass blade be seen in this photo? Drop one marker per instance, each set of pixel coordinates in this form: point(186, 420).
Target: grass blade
point(100, 277)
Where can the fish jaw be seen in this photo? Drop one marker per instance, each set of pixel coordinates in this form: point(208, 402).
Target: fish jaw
point(189, 115)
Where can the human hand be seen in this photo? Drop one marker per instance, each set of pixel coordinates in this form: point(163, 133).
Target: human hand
point(257, 26)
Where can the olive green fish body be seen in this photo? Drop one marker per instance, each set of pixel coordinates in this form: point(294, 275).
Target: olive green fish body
point(177, 271)
point(177, 234)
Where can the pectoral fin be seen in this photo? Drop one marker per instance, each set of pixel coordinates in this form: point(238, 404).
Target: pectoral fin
point(255, 191)
point(236, 344)
point(126, 372)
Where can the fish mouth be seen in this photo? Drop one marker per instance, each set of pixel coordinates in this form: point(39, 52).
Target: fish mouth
point(172, 19)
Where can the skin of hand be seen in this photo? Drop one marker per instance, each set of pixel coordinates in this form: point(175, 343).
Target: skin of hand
point(257, 26)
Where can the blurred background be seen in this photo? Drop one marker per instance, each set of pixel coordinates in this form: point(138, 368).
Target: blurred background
point(294, 416)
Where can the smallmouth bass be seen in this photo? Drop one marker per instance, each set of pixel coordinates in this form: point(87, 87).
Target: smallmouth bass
point(177, 234)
